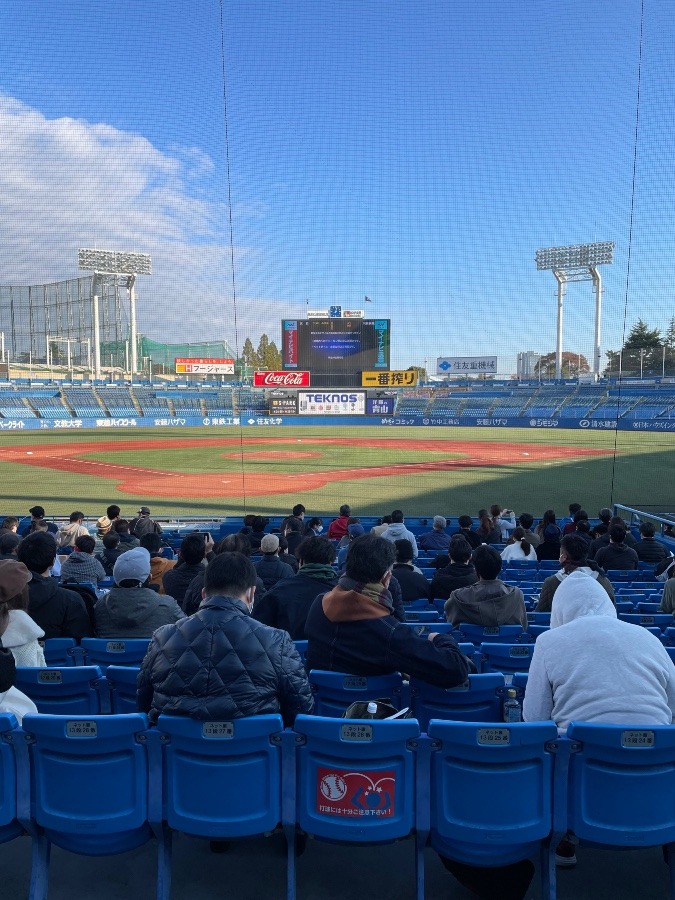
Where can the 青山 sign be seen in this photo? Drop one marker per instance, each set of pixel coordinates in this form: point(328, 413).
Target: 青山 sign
point(200, 366)
point(406, 378)
point(466, 365)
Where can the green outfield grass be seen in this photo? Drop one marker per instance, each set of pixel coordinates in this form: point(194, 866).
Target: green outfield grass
point(637, 471)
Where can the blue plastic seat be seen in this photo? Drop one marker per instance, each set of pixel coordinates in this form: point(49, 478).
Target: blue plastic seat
point(356, 781)
point(646, 608)
point(539, 618)
point(506, 658)
point(89, 787)
point(653, 620)
point(9, 823)
point(491, 790)
point(301, 647)
point(335, 691)
point(64, 690)
point(619, 789)
point(106, 652)
point(62, 652)
point(535, 630)
point(624, 607)
point(478, 634)
point(121, 682)
point(479, 699)
point(422, 615)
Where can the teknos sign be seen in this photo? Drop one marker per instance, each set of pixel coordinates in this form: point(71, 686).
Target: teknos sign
point(281, 379)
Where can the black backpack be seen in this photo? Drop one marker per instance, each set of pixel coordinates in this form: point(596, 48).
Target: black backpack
point(89, 597)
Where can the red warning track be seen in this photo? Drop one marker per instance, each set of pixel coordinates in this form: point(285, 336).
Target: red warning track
point(152, 482)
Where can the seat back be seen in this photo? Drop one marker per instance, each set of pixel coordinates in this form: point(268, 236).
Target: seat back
point(478, 634)
point(61, 652)
point(9, 826)
point(491, 790)
point(477, 700)
point(122, 688)
point(506, 658)
point(621, 784)
point(104, 652)
point(301, 647)
point(539, 618)
point(222, 779)
point(356, 778)
point(335, 691)
point(89, 781)
point(64, 690)
point(422, 615)
point(653, 620)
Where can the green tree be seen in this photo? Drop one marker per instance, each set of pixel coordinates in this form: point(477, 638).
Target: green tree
point(272, 358)
point(262, 353)
point(248, 355)
point(421, 373)
point(573, 365)
point(642, 352)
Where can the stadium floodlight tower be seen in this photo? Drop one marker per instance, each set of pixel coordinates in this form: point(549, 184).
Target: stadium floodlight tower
point(115, 264)
point(578, 262)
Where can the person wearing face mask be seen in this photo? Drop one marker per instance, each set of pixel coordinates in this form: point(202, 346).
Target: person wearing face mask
point(221, 664)
point(286, 605)
point(314, 527)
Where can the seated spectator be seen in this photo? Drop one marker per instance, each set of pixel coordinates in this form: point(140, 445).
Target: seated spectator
point(37, 514)
point(459, 573)
point(599, 538)
point(602, 539)
point(73, 530)
point(381, 527)
point(616, 555)
point(9, 523)
point(487, 531)
point(113, 512)
point(436, 540)
point(9, 542)
point(285, 556)
point(110, 553)
point(191, 562)
point(526, 520)
point(648, 548)
point(159, 564)
point(20, 634)
point(442, 560)
point(286, 605)
point(103, 527)
point(230, 665)
point(257, 532)
point(465, 530)
point(247, 527)
point(397, 531)
point(143, 524)
point(82, 565)
point(292, 531)
point(314, 527)
point(414, 586)
point(298, 512)
point(12, 700)
point(352, 627)
point(504, 519)
point(270, 568)
point(547, 521)
point(127, 540)
point(338, 527)
point(353, 532)
point(570, 527)
point(573, 558)
point(668, 597)
point(56, 610)
point(231, 543)
point(519, 547)
point(131, 609)
point(489, 602)
point(550, 545)
point(583, 530)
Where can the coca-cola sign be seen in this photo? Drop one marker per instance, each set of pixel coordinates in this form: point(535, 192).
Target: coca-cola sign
point(281, 379)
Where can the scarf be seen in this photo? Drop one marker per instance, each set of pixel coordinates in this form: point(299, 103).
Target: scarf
point(376, 591)
point(318, 572)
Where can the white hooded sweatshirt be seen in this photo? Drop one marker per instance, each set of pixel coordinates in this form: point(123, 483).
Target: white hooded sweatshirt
point(21, 637)
point(592, 667)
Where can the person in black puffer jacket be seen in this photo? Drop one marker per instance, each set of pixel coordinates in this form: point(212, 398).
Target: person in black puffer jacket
point(221, 664)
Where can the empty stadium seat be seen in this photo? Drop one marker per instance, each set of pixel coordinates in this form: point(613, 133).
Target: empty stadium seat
point(506, 658)
point(479, 634)
point(654, 620)
point(335, 691)
point(62, 652)
point(479, 699)
point(106, 652)
point(9, 823)
point(121, 681)
point(64, 690)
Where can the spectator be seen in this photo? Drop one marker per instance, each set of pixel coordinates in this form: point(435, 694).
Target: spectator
point(526, 520)
point(247, 527)
point(9, 523)
point(287, 604)
point(352, 629)
point(9, 542)
point(82, 565)
point(353, 532)
point(600, 538)
point(270, 568)
point(12, 700)
point(489, 602)
point(110, 553)
point(131, 609)
point(547, 521)
point(668, 597)
point(504, 519)
point(230, 665)
point(603, 535)
point(231, 543)
point(258, 527)
point(616, 555)
point(37, 513)
point(293, 533)
point(465, 530)
point(550, 545)
point(103, 527)
point(381, 527)
point(159, 565)
point(285, 556)
point(648, 548)
point(143, 524)
point(298, 512)
point(192, 562)
point(436, 540)
point(20, 634)
point(605, 516)
point(519, 547)
point(58, 611)
point(127, 540)
point(459, 573)
point(74, 529)
point(573, 558)
point(397, 531)
point(338, 527)
point(573, 508)
point(113, 512)
point(414, 586)
point(314, 527)
point(583, 530)
point(487, 531)
point(587, 637)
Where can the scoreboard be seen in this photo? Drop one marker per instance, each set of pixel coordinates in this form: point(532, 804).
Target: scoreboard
point(334, 350)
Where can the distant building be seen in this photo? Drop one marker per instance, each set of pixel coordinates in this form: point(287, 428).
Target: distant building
point(527, 364)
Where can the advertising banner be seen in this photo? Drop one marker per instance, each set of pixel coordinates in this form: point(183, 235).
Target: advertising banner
point(353, 794)
point(332, 403)
point(284, 406)
point(201, 366)
point(404, 378)
point(466, 365)
point(281, 379)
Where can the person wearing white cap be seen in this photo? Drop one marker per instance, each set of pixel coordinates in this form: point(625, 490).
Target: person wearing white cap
point(270, 568)
point(131, 609)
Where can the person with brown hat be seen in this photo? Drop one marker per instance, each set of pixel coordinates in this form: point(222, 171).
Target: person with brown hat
point(20, 633)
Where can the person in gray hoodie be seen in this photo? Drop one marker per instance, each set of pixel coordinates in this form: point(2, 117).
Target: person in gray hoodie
point(489, 602)
point(398, 532)
point(573, 550)
point(131, 609)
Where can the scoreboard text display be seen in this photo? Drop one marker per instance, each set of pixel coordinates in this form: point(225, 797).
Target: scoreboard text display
point(200, 366)
point(406, 378)
point(336, 346)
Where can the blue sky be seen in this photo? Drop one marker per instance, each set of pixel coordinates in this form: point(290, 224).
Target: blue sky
point(417, 153)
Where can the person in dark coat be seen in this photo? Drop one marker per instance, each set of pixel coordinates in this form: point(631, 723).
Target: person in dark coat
point(460, 571)
point(352, 629)
point(414, 586)
point(58, 611)
point(110, 553)
point(648, 548)
point(292, 531)
point(286, 605)
point(191, 563)
point(616, 555)
point(270, 568)
point(550, 546)
point(221, 664)
point(465, 530)
point(231, 543)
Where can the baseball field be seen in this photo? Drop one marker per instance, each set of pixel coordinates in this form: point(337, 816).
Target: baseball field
point(425, 471)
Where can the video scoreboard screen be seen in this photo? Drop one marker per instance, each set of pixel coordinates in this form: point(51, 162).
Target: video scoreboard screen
point(336, 351)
